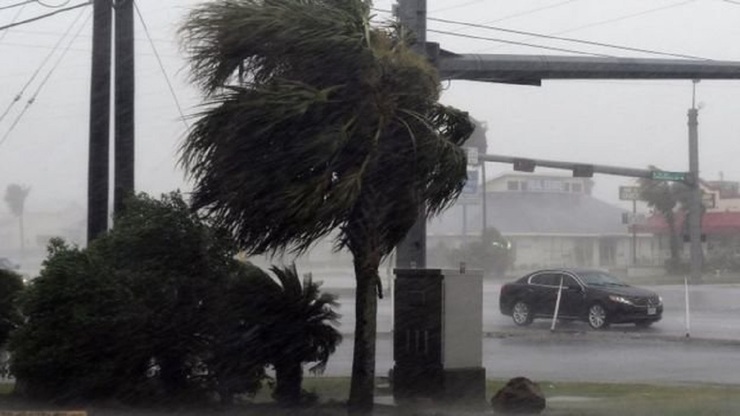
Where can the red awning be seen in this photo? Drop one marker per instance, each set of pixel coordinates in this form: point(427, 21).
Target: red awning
point(711, 223)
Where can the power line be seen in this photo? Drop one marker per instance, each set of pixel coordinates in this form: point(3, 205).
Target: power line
point(456, 7)
point(15, 19)
point(40, 67)
point(161, 65)
point(585, 42)
point(53, 6)
point(511, 42)
point(44, 16)
point(614, 20)
point(12, 6)
point(44, 81)
point(529, 11)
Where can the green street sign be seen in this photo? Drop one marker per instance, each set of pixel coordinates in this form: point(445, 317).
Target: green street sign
point(659, 175)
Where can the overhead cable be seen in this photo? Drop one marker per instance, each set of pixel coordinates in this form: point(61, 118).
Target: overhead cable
point(616, 19)
point(511, 42)
point(12, 6)
point(44, 81)
point(161, 65)
point(581, 41)
point(52, 6)
point(40, 67)
point(44, 16)
point(15, 19)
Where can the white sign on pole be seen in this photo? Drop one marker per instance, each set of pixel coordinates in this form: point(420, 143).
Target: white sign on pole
point(472, 156)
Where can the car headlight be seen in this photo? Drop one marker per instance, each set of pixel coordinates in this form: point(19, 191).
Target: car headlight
point(660, 300)
point(620, 299)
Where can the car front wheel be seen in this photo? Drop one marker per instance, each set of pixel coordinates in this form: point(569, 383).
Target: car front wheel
point(597, 317)
point(521, 313)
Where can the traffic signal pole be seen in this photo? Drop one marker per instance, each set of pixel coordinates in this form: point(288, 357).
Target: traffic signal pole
point(412, 252)
point(531, 70)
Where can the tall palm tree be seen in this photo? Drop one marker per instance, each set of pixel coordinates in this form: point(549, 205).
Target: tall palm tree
point(317, 121)
point(15, 197)
point(665, 197)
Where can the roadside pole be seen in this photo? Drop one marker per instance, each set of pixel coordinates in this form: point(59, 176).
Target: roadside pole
point(557, 305)
point(634, 232)
point(695, 186)
point(687, 318)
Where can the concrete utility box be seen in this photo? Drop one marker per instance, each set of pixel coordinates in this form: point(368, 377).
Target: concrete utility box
point(438, 335)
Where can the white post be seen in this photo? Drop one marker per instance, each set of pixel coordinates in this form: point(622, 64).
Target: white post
point(688, 321)
point(557, 305)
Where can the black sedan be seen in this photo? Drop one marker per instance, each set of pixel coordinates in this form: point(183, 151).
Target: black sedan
point(590, 295)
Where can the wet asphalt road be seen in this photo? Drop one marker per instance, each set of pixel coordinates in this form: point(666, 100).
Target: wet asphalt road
point(574, 352)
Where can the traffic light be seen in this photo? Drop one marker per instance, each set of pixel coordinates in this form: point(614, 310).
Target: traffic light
point(583, 171)
point(524, 165)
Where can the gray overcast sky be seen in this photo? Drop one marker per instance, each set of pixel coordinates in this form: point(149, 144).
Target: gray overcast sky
point(627, 123)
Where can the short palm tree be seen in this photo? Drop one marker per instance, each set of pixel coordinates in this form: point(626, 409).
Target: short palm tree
point(300, 329)
point(317, 121)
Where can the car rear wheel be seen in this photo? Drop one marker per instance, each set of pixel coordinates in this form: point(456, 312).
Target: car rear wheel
point(597, 316)
point(521, 313)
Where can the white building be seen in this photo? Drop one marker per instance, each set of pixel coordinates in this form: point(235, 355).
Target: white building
point(551, 220)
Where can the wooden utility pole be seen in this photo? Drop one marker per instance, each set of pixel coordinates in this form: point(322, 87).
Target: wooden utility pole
point(97, 176)
point(123, 176)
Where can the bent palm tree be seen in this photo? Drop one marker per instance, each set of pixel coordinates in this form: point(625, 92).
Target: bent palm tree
point(317, 121)
point(15, 196)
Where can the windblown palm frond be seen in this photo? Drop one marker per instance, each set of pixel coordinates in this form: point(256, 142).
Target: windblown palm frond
point(332, 118)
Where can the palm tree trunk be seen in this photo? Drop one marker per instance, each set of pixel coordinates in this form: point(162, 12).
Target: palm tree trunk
point(673, 239)
point(289, 377)
point(362, 391)
point(23, 238)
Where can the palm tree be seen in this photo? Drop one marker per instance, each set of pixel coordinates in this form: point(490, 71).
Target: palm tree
point(665, 197)
point(15, 197)
point(280, 322)
point(316, 122)
point(302, 330)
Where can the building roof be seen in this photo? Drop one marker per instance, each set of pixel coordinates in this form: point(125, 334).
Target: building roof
point(539, 213)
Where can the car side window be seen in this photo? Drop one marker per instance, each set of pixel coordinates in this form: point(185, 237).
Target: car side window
point(568, 281)
point(545, 279)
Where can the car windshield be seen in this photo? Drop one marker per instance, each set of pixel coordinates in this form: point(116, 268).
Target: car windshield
point(600, 279)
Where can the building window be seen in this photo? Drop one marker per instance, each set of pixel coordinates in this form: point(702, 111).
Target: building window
point(512, 185)
point(524, 186)
point(577, 188)
point(566, 187)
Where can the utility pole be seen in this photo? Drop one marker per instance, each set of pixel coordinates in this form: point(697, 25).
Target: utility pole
point(412, 252)
point(97, 176)
point(695, 201)
point(123, 176)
